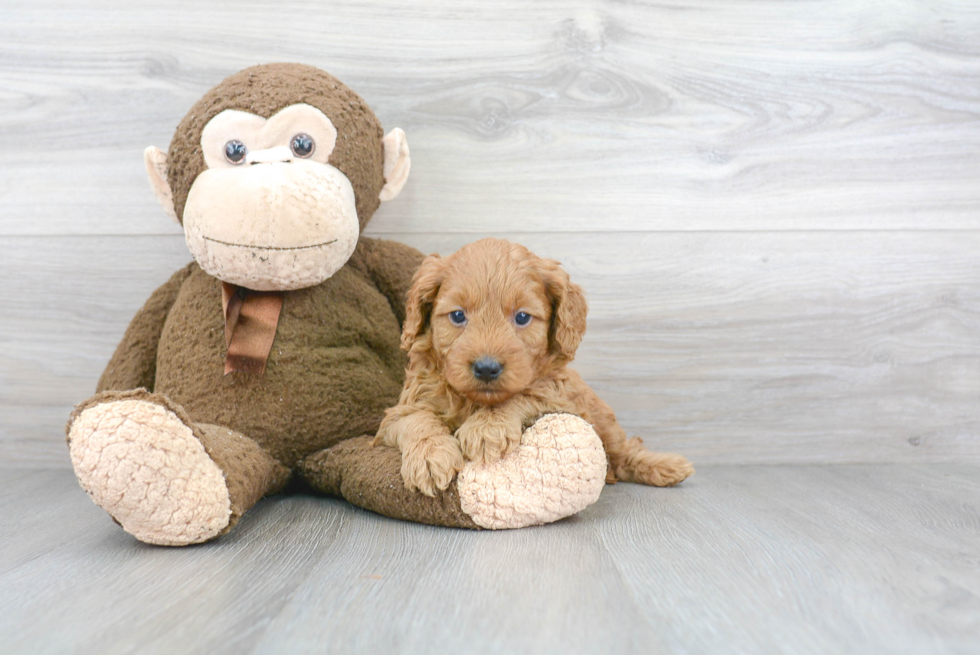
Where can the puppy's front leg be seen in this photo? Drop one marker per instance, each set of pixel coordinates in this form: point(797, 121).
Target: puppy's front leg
point(490, 433)
point(431, 457)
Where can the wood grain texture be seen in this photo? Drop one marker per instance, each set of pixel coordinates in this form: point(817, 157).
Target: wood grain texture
point(553, 115)
point(789, 559)
point(773, 206)
point(734, 347)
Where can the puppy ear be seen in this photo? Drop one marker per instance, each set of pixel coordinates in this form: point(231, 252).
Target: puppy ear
point(568, 310)
point(425, 288)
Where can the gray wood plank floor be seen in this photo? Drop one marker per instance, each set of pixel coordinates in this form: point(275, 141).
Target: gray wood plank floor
point(789, 559)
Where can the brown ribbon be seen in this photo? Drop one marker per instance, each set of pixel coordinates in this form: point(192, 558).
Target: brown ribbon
point(251, 319)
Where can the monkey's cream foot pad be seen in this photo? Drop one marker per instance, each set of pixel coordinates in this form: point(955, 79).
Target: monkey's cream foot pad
point(143, 465)
point(558, 469)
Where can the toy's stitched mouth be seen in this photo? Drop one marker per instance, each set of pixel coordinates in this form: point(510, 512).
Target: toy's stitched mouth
point(243, 245)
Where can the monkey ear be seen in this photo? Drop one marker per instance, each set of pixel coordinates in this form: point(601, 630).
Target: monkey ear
point(397, 164)
point(156, 169)
point(418, 310)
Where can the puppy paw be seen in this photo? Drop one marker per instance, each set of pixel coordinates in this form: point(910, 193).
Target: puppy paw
point(429, 465)
point(660, 469)
point(485, 438)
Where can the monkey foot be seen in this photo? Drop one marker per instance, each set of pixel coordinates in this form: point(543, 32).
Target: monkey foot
point(558, 469)
point(141, 463)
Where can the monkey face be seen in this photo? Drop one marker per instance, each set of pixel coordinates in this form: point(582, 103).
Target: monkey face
point(270, 212)
point(274, 173)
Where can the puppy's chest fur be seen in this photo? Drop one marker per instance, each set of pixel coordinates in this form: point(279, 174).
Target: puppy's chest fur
point(546, 395)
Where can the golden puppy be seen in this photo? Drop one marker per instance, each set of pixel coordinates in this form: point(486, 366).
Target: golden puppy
point(490, 331)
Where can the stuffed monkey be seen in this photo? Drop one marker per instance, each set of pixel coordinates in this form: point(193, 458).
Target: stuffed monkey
point(273, 355)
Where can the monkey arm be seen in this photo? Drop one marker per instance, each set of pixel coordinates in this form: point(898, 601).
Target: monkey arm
point(390, 266)
point(134, 364)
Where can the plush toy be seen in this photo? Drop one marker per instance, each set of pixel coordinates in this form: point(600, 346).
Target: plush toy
point(273, 356)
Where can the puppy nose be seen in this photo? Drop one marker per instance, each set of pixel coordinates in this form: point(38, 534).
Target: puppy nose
point(487, 369)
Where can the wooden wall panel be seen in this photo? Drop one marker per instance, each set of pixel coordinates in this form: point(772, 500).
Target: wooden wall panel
point(731, 347)
point(774, 207)
point(572, 116)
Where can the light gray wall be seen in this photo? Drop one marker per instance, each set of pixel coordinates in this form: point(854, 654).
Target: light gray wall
point(774, 207)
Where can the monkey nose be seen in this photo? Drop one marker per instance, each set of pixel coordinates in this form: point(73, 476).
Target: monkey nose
point(269, 155)
point(487, 369)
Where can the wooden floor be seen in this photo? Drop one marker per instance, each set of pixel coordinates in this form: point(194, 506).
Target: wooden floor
point(750, 559)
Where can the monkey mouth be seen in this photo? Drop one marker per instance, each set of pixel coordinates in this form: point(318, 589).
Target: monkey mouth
point(248, 247)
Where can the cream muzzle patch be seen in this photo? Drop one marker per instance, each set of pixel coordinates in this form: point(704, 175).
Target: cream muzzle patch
point(274, 221)
point(260, 135)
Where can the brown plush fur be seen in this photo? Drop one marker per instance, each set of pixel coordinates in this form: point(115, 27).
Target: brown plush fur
point(334, 367)
point(447, 415)
point(369, 477)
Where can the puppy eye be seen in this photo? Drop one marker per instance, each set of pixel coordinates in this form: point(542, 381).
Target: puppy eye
point(235, 151)
point(457, 317)
point(522, 318)
point(302, 145)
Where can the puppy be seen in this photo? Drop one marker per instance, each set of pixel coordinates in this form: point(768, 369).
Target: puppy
point(490, 331)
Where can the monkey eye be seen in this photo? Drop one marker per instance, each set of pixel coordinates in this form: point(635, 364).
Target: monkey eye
point(522, 318)
point(235, 151)
point(302, 145)
point(457, 317)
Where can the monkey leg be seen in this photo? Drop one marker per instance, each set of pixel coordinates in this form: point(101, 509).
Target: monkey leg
point(370, 477)
point(163, 478)
point(558, 469)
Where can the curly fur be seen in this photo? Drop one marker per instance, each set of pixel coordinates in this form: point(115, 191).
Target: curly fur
point(446, 415)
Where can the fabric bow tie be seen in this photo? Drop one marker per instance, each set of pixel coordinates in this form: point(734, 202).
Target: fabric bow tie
point(251, 319)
